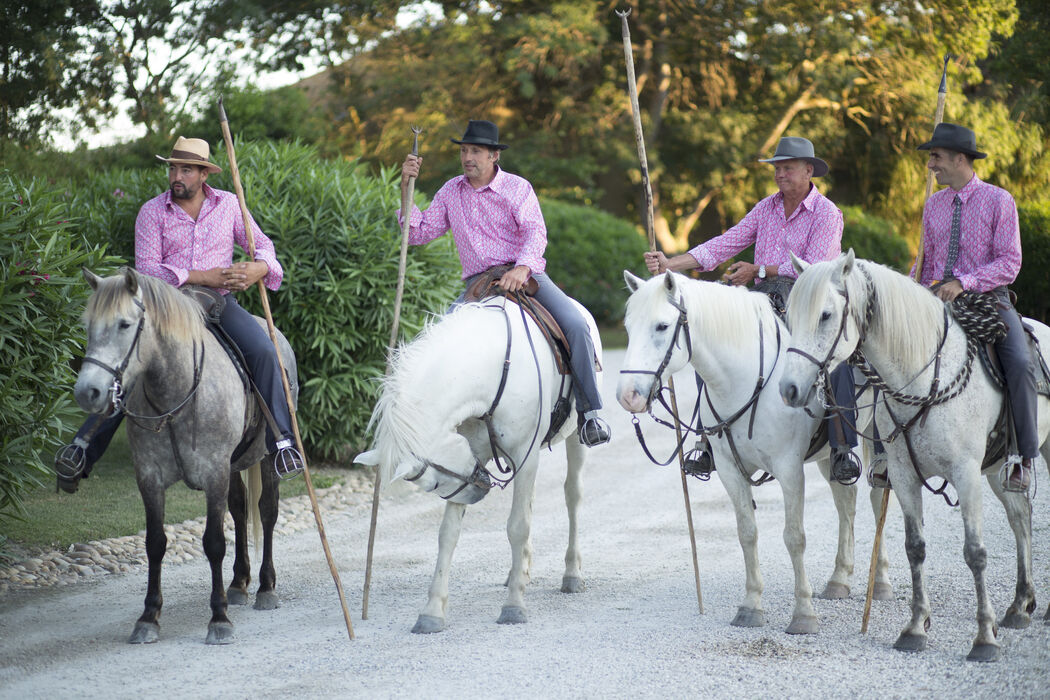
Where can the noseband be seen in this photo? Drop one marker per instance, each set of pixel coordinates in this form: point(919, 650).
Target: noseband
point(479, 478)
point(116, 391)
point(682, 324)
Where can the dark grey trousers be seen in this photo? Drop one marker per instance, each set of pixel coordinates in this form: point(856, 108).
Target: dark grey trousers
point(1016, 362)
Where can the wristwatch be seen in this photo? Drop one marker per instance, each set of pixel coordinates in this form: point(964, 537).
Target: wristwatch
point(761, 272)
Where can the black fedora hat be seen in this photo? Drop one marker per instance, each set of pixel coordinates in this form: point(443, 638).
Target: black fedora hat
point(798, 148)
point(481, 133)
point(954, 138)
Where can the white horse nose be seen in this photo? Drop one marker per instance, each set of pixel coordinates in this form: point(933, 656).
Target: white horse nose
point(789, 392)
point(632, 401)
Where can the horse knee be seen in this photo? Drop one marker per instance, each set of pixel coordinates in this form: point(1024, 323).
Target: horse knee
point(915, 546)
point(975, 555)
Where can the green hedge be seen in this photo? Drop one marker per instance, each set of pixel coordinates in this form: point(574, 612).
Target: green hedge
point(587, 252)
point(336, 236)
point(41, 296)
point(873, 238)
point(1033, 283)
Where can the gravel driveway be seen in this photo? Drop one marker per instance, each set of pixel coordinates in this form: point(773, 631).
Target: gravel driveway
point(634, 631)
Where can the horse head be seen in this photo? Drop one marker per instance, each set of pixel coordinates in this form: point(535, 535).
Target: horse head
point(655, 318)
point(825, 324)
point(114, 317)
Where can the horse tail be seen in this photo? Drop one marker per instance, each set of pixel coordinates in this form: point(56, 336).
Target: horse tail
point(254, 524)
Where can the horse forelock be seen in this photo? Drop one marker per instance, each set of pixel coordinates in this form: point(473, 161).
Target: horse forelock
point(171, 313)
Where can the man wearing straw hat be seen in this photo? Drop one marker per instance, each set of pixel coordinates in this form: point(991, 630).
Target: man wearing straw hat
point(495, 219)
point(796, 219)
point(972, 242)
point(186, 236)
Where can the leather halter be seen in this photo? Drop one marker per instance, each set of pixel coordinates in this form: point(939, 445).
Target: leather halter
point(682, 324)
point(116, 390)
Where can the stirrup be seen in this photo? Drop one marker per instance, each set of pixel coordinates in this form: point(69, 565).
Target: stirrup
point(595, 431)
point(845, 467)
point(287, 462)
point(71, 462)
point(878, 472)
point(1015, 480)
point(699, 462)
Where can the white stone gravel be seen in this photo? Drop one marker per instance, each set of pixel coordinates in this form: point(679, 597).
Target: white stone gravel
point(635, 630)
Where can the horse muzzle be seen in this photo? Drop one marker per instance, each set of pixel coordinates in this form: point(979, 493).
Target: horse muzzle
point(793, 394)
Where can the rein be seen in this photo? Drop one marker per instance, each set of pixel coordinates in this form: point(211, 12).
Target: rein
point(116, 390)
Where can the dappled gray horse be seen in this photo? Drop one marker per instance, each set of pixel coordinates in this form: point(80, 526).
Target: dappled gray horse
point(190, 418)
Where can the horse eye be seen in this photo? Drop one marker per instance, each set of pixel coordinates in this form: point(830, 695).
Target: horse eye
point(661, 327)
point(124, 325)
point(825, 316)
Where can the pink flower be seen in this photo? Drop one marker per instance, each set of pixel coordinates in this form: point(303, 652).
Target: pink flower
point(118, 193)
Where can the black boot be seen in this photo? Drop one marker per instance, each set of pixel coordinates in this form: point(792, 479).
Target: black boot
point(845, 467)
point(71, 466)
point(594, 431)
point(287, 462)
point(698, 462)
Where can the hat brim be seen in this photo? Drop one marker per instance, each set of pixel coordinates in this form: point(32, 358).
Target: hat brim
point(820, 168)
point(486, 144)
point(207, 165)
point(951, 146)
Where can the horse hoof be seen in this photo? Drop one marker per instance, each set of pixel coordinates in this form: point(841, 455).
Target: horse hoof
point(219, 633)
point(749, 617)
point(835, 591)
point(984, 652)
point(910, 642)
point(428, 624)
point(882, 591)
point(571, 584)
point(144, 633)
point(512, 615)
point(1016, 620)
point(236, 596)
point(803, 624)
point(266, 600)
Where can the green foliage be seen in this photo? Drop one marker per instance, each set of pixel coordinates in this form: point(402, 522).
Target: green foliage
point(254, 114)
point(587, 252)
point(873, 238)
point(1032, 284)
point(41, 296)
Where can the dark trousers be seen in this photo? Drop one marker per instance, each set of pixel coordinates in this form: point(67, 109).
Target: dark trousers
point(842, 422)
point(1016, 362)
point(261, 360)
point(577, 334)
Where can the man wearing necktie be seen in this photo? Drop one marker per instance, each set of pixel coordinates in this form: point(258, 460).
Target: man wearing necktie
point(971, 241)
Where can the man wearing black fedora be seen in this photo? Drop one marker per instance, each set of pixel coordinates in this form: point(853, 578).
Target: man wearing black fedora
point(495, 219)
point(796, 219)
point(971, 242)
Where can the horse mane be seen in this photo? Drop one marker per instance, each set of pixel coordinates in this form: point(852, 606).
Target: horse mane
point(404, 418)
point(908, 319)
point(719, 312)
point(172, 314)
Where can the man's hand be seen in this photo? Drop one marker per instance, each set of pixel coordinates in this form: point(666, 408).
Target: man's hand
point(741, 273)
point(949, 290)
point(514, 280)
point(410, 168)
point(656, 262)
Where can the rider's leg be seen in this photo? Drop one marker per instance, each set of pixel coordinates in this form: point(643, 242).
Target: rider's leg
point(74, 461)
point(1016, 362)
point(594, 430)
point(845, 467)
point(261, 357)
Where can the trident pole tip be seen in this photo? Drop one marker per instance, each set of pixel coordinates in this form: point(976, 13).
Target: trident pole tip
point(222, 111)
point(623, 14)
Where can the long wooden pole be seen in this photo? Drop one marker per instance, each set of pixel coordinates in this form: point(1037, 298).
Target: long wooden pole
point(407, 196)
point(235, 174)
point(942, 93)
point(650, 230)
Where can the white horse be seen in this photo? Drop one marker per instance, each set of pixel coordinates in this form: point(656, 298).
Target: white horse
point(902, 329)
point(430, 428)
point(736, 343)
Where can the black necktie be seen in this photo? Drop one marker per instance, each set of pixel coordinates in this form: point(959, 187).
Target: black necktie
point(953, 240)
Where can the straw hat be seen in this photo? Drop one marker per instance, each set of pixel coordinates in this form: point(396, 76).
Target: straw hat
point(191, 152)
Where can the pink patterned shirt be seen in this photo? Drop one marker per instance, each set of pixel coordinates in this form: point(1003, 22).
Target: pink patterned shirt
point(813, 233)
point(498, 224)
point(989, 237)
point(168, 243)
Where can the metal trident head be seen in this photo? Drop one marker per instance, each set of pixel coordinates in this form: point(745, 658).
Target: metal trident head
point(416, 131)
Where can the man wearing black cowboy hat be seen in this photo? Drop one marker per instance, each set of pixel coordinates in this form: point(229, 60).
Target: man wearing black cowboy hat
point(971, 241)
point(495, 219)
point(186, 236)
point(796, 219)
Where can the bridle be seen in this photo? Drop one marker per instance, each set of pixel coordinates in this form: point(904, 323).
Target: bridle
point(479, 478)
point(682, 324)
point(116, 390)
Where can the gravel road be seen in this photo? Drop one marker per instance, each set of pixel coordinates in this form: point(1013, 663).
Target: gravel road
point(634, 631)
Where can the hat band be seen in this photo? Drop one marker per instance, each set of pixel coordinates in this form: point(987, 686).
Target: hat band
point(187, 155)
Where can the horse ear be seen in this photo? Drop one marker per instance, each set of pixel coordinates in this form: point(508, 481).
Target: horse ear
point(847, 264)
point(90, 277)
point(670, 283)
point(130, 279)
point(633, 281)
point(799, 264)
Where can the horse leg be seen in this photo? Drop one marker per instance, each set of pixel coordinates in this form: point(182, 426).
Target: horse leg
point(749, 613)
point(845, 497)
point(804, 618)
point(266, 597)
point(913, 637)
point(572, 581)
point(1019, 515)
point(237, 593)
point(883, 589)
point(147, 628)
point(985, 647)
point(432, 618)
point(220, 629)
point(519, 526)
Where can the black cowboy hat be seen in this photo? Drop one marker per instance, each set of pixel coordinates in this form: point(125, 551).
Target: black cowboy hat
point(481, 133)
point(798, 148)
point(954, 138)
